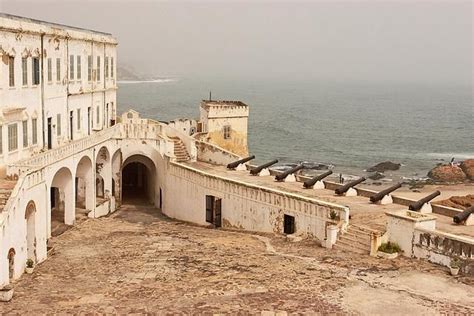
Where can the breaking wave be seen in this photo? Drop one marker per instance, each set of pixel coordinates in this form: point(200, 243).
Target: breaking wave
point(457, 156)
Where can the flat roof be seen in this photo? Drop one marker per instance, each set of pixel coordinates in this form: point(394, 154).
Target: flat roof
point(51, 24)
point(223, 102)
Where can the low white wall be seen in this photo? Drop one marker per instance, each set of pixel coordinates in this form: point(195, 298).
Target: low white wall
point(244, 206)
point(213, 154)
point(401, 226)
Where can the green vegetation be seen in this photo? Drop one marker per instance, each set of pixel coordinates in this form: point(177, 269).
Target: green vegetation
point(29, 263)
point(390, 247)
point(455, 263)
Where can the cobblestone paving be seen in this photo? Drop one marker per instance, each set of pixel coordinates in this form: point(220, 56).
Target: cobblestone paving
point(137, 261)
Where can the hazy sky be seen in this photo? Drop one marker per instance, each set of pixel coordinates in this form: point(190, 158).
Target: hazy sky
point(414, 41)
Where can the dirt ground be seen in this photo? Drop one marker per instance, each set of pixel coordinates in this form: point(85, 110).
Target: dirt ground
point(138, 261)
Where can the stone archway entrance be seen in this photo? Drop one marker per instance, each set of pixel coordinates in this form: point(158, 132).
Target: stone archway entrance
point(138, 180)
point(62, 201)
point(84, 186)
point(30, 214)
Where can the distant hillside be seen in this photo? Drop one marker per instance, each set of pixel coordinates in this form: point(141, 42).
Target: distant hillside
point(126, 73)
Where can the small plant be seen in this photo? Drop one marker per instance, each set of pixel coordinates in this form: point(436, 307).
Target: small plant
point(455, 263)
point(390, 247)
point(333, 215)
point(29, 263)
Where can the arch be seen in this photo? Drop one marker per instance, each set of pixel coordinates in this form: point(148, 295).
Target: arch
point(84, 185)
point(116, 175)
point(62, 197)
point(103, 176)
point(11, 263)
point(30, 217)
point(138, 180)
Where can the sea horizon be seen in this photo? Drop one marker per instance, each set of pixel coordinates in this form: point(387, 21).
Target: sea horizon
point(348, 126)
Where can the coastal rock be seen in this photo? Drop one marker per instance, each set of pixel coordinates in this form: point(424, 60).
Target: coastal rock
point(384, 166)
point(447, 173)
point(376, 176)
point(467, 167)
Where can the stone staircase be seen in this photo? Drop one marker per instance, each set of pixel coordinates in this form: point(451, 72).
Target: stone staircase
point(180, 150)
point(6, 188)
point(355, 239)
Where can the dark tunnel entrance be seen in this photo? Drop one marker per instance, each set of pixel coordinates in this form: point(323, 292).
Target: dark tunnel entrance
point(138, 181)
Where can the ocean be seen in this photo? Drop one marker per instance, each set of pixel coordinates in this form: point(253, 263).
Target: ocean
point(348, 126)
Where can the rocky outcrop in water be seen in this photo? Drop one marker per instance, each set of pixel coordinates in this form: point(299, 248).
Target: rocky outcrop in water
point(384, 166)
point(376, 176)
point(447, 173)
point(467, 167)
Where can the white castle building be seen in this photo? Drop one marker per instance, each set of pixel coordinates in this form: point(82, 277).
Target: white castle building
point(65, 155)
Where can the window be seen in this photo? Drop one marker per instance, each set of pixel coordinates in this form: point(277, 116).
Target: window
point(106, 67)
point(79, 68)
point(36, 70)
point(34, 131)
point(112, 67)
point(78, 119)
point(98, 68)
point(89, 68)
point(71, 67)
point(24, 70)
point(50, 70)
point(12, 137)
point(98, 116)
point(1, 139)
point(227, 132)
point(11, 68)
point(58, 124)
point(58, 69)
point(25, 134)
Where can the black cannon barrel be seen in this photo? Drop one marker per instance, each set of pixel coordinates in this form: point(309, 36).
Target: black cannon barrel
point(235, 164)
point(348, 185)
point(416, 206)
point(459, 218)
point(378, 196)
point(311, 182)
point(282, 176)
point(257, 170)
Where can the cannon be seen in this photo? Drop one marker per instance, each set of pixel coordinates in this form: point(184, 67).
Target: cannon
point(459, 218)
point(257, 170)
point(311, 182)
point(349, 185)
point(380, 195)
point(235, 164)
point(416, 206)
point(282, 176)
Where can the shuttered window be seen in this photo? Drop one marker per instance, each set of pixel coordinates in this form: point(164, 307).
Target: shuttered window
point(34, 130)
point(25, 134)
point(24, 70)
point(12, 137)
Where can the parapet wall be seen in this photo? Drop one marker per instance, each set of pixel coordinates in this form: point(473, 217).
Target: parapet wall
point(246, 206)
point(439, 247)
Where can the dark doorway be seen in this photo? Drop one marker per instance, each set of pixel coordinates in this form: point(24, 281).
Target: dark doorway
point(50, 140)
point(88, 121)
point(214, 210)
point(288, 224)
point(135, 183)
point(71, 122)
point(11, 263)
point(161, 198)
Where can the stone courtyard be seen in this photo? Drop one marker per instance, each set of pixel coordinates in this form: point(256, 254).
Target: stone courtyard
point(138, 261)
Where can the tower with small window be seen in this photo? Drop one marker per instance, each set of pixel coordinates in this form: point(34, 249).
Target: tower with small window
point(225, 124)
